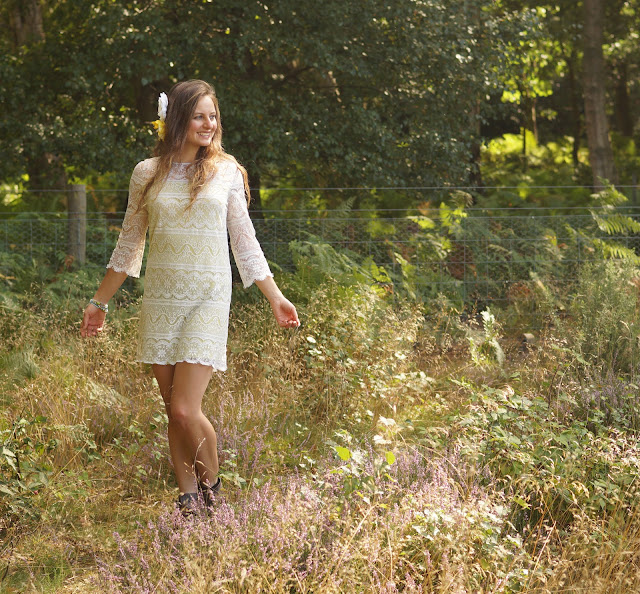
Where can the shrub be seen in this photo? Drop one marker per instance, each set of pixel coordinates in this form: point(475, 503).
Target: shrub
point(604, 325)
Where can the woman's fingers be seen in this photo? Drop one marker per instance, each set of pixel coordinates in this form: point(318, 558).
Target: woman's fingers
point(290, 321)
point(288, 317)
point(92, 324)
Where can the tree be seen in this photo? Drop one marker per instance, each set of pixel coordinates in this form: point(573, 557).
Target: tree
point(534, 65)
point(363, 93)
point(597, 125)
point(622, 54)
point(25, 21)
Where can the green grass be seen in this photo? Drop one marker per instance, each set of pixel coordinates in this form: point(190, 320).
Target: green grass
point(375, 448)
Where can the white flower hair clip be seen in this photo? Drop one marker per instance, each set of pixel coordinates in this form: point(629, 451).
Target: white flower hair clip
point(163, 103)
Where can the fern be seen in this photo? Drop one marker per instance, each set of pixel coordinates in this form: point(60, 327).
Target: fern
point(607, 220)
point(317, 260)
point(612, 250)
point(615, 223)
point(609, 197)
point(343, 209)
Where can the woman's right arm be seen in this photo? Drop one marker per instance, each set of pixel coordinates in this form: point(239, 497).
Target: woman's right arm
point(94, 317)
point(126, 259)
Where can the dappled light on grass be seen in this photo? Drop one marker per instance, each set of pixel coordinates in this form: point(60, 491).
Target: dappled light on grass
point(383, 446)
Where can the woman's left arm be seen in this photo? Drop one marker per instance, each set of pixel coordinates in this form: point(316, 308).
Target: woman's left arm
point(252, 265)
point(284, 311)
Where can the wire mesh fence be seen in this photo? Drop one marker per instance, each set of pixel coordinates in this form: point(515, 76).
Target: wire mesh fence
point(486, 257)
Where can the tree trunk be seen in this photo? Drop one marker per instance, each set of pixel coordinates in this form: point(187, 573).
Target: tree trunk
point(534, 119)
point(26, 22)
point(600, 152)
point(475, 175)
point(525, 123)
point(624, 119)
point(255, 206)
point(575, 108)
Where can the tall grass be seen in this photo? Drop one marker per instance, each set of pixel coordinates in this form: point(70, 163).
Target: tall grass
point(372, 450)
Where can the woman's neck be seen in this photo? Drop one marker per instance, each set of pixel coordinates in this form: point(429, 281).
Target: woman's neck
point(186, 156)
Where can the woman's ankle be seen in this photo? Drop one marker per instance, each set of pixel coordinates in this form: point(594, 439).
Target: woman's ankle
point(189, 504)
point(210, 492)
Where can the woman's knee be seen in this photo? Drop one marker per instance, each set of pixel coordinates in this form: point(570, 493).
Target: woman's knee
point(182, 416)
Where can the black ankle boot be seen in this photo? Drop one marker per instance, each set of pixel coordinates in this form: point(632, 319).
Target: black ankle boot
point(188, 504)
point(209, 492)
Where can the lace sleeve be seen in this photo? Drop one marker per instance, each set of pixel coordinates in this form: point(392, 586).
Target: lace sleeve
point(127, 255)
point(252, 265)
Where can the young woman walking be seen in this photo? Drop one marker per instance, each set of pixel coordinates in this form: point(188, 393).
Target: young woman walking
point(190, 196)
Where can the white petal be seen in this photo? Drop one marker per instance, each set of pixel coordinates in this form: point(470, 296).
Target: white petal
point(163, 103)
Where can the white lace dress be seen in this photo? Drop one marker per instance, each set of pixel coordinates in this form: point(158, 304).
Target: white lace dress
point(187, 288)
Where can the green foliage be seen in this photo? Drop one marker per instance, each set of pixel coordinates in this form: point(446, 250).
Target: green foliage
point(432, 478)
point(25, 466)
point(391, 438)
point(139, 450)
point(365, 473)
point(547, 165)
point(536, 63)
point(317, 261)
point(483, 344)
point(604, 323)
point(553, 470)
point(356, 94)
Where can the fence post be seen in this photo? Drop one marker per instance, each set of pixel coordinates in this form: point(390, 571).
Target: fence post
point(77, 211)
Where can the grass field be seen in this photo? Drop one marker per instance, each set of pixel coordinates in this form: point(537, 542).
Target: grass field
point(384, 446)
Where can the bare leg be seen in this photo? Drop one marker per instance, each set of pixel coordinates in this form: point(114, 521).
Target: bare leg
point(183, 462)
point(192, 439)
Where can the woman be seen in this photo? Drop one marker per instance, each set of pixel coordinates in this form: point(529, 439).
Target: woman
point(189, 196)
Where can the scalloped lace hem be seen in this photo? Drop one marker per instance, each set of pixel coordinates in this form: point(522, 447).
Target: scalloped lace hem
point(117, 268)
point(258, 278)
point(216, 366)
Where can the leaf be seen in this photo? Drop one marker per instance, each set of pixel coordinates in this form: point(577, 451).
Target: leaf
point(423, 222)
point(8, 453)
point(10, 457)
point(343, 453)
point(7, 491)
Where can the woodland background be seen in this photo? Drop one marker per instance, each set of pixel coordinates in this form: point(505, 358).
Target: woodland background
point(362, 94)
point(459, 410)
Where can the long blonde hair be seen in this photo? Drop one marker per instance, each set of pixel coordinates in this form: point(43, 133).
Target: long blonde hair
point(183, 99)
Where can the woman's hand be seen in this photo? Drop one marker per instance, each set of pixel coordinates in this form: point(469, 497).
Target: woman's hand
point(283, 309)
point(92, 321)
point(285, 313)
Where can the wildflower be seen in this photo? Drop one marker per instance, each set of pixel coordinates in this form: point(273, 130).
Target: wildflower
point(160, 127)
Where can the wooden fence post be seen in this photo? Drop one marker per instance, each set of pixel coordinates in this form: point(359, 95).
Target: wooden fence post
point(77, 211)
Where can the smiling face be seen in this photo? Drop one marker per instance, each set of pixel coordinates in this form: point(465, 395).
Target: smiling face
point(201, 128)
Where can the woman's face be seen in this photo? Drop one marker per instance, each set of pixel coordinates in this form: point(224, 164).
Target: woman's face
point(203, 124)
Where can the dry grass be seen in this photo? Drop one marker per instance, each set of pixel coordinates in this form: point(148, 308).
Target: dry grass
point(363, 373)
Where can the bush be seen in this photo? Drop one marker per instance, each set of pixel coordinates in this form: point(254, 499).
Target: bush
point(604, 325)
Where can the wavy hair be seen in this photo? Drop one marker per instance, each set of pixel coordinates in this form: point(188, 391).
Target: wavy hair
point(183, 99)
